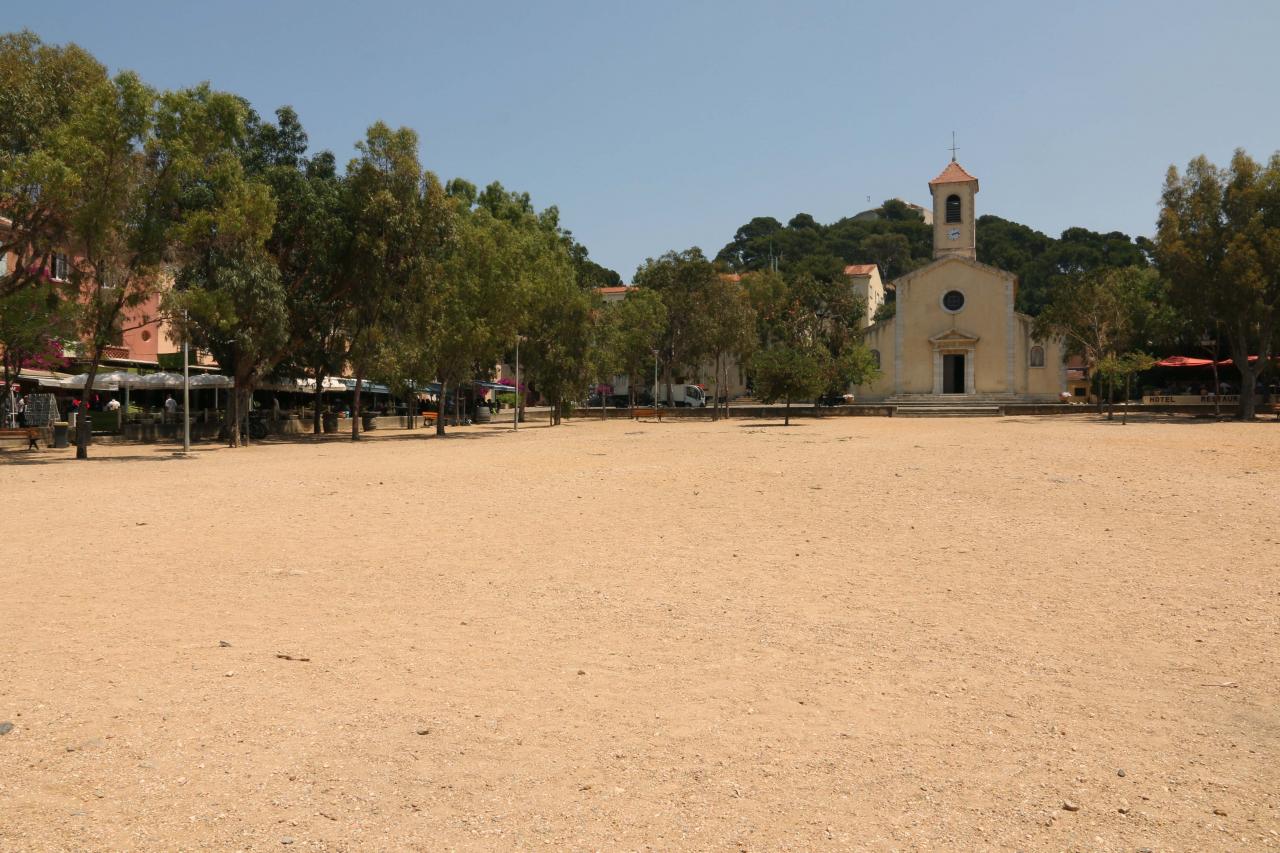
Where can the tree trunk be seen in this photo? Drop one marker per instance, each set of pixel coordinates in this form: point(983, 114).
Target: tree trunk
point(440, 409)
point(1247, 403)
point(315, 416)
point(725, 385)
point(631, 396)
point(1094, 379)
point(355, 407)
point(1240, 356)
point(83, 427)
point(786, 413)
point(233, 418)
point(1111, 403)
point(1124, 418)
point(666, 378)
point(246, 409)
point(715, 402)
point(1217, 390)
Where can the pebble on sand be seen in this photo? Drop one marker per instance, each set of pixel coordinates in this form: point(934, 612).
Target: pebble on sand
point(6, 727)
point(1068, 806)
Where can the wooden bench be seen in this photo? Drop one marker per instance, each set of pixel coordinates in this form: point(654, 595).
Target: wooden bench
point(31, 434)
point(649, 412)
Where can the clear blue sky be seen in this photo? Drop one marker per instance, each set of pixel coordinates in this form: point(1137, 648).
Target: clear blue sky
point(657, 125)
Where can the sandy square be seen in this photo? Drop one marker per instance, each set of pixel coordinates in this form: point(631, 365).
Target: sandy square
point(853, 633)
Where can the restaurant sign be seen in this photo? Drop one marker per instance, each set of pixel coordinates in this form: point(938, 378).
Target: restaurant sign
point(1189, 399)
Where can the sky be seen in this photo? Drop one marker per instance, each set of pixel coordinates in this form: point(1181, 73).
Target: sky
point(655, 126)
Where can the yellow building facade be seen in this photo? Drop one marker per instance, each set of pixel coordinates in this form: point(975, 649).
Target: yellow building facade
point(955, 334)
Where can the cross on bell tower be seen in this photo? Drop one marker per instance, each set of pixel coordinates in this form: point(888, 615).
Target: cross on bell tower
point(954, 149)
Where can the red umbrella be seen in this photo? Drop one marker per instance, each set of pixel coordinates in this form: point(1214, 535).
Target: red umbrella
point(1185, 361)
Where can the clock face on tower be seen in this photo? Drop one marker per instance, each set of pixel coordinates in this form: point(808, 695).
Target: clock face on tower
point(953, 234)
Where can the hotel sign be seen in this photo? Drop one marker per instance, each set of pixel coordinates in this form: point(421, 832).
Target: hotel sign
point(1189, 399)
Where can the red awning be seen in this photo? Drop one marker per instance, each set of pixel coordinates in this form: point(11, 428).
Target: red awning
point(1187, 361)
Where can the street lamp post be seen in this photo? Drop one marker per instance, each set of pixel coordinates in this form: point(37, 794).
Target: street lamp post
point(186, 391)
point(515, 420)
point(655, 378)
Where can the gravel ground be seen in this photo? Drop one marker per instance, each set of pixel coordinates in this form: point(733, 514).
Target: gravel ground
point(853, 633)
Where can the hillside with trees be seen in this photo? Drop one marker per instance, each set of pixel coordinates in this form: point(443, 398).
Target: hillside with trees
point(897, 239)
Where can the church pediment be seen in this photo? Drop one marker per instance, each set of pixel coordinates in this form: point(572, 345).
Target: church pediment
point(902, 281)
point(953, 338)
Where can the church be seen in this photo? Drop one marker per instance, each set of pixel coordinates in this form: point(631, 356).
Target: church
point(955, 335)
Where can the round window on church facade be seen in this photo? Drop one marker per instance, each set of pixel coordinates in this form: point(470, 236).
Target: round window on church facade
point(953, 300)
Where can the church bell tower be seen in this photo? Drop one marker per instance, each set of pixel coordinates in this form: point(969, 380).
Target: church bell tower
point(954, 215)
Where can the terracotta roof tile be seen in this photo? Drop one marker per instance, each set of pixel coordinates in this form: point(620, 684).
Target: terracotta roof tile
point(860, 269)
point(953, 174)
point(620, 289)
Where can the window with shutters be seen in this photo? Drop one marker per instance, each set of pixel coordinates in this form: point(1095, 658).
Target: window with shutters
point(59, 267)
point(953, 208)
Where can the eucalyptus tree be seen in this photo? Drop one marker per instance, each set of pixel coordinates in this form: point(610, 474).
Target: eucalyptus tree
point(562, 336)
point(682, 280)
point(116, 173)
point(309, 244)
point(634, 330)
point(482, 282)
point(386, 194)
point(1219, 245)
point(1105, 313)
point(730, 332)
point(228, 295)
point(40, 86)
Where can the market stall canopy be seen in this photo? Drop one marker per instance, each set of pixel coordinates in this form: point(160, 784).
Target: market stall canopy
point(1184, 361)
point(112, 380)
point(1227, 362)
point(40, 377)
point(1187, 361)
point(368, 386)
point(160, 380)
point(212, 380)
point(307, 386)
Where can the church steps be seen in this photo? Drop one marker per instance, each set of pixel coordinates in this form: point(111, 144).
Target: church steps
point(949, 411)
